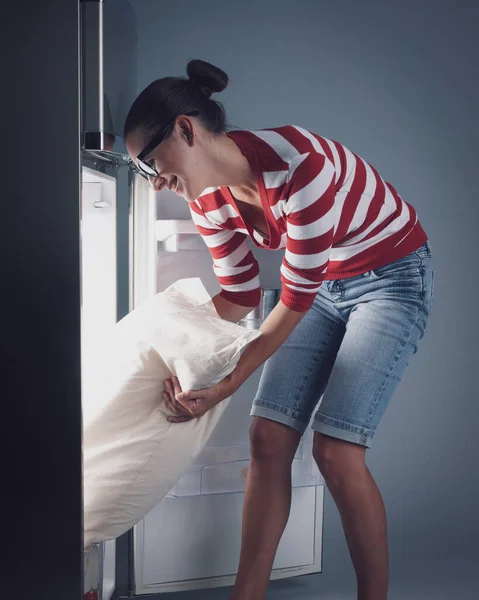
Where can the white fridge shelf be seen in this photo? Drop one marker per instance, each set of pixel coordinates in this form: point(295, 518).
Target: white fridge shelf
point(174, 235)
point(223, 470)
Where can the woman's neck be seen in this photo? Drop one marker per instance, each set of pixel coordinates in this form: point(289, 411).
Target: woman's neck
point(233, 170)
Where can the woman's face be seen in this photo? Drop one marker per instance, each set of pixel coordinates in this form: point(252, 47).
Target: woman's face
point(179, 159)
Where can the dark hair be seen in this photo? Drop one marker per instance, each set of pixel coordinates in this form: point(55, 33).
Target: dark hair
point(164, 99)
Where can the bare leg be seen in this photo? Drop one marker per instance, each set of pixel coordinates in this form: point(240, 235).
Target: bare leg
point(266, 507)
point(362, 512)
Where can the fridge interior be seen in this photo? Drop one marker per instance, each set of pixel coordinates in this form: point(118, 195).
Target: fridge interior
point(200, 518)
point(191, 540)
point(222, 465)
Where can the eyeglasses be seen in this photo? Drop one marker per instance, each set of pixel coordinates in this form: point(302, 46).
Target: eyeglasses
point(144, 167)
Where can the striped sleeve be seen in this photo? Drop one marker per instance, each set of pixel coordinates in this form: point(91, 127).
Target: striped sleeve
point(233, 262)
point(309, 213)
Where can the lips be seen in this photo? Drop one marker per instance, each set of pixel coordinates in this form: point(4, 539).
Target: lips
point(173, 184)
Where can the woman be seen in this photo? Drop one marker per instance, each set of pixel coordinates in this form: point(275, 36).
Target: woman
point(357, 282)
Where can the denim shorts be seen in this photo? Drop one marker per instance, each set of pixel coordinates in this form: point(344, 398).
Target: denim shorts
point(350, 351)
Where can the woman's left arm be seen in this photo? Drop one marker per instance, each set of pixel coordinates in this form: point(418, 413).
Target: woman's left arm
point(275, 330)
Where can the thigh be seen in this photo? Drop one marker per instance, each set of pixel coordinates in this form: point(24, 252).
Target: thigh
point(382, 333)
point(294, 378)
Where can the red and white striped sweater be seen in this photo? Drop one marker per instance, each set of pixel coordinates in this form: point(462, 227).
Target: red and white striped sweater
point(330, 211)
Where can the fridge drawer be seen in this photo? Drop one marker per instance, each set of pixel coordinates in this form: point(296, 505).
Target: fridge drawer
point(223, 470)
point(194, 542)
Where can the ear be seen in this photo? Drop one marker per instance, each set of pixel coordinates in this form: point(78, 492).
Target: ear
point(186, 129)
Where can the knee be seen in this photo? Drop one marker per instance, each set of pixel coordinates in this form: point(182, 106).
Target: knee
point(337, 459)
point(272, 442)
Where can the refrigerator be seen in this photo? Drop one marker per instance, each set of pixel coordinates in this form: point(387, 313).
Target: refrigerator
point(191, 539)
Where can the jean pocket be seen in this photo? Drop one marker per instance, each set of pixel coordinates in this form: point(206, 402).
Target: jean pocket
point(408, 266)
point(424, 251)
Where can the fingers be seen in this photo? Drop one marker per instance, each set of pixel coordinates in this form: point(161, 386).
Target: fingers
point(169, 403)
point(176, 387)
point(184, 405)
point(175, 408)
point(169, 391)
point(192, 396)
point(181, 413)
point(173, 387)
point(179, 419)
point(168, 386)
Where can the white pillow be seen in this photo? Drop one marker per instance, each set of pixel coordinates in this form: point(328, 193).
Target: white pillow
point(132, 456)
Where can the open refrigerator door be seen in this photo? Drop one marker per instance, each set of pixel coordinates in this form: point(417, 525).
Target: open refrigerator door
point(98, 313)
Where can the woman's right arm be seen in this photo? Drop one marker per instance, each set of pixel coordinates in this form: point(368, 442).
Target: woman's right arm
point(234, 265)
point(229, 311)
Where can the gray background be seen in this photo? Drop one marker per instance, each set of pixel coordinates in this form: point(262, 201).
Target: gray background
point(396, 82)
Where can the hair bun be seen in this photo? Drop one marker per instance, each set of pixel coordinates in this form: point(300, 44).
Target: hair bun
point(210, 78)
